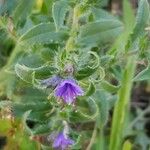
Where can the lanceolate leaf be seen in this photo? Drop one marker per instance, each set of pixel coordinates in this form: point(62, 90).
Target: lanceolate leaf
point(42, 129)
point(24, 119)
point(26, 73)
point(83, 73)
point(143, 75)
point(39, 116)
point(83, 114)
point(102, 102)
point(99, 32)
point(142, 19)
point(91, 89)
point(109, 87)
point(128, 15)
point(41, 34)
point(88, 69)
point(59, 11)
point(100, 14)
point(23, 10)
point(35, 106)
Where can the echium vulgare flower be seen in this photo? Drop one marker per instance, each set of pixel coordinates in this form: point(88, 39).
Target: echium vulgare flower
point(68, 90)
point(62, 141)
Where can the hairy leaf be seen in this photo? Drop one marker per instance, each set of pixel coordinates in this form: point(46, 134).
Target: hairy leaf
point(23, 10)
point(143, 75)
point(27, 74)
point(41, 34)
point(141, 19)
point(100, 32)
point(59, 11)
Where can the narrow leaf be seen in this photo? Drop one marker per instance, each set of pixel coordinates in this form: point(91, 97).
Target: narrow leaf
point(100, 14)
point(141, 19)
point(85, 72)
point(26, 73)
point(91, 89)
point(102, 102)
point(109, 87)
point(128, 15)
point(143, 75)
point(59, 11)
point(23, 10)
point(42, 34)
point(99, 32)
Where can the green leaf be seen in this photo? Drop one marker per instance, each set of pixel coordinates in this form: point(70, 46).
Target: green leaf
point(103, 3)
point(128, 15)
point(11, 83)
point(34, 100)
point(23, 10)
point(102, 102)
point(7, 6)
point(85, 72)
point(48, 5)
point(41, 34)
point(91, 89)
point(99, 32)
point(100, 14)
point(129, 22)
point(59, 11)
point(84, 114)
point(109, 87)
point(141, 19)
point(93, 107)
point(122, 105)
point(42, 129)
point(27, 74)
point(24, 119)
point(78, 143)
point(143, 75)
point(88, 67)
point(39, 116)
point(48, 54)
point(31, 95)
point(142, 139)
point(35, 106)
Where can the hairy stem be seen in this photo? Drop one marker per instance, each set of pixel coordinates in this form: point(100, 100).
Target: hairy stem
point(121, 106)
point(71, 42)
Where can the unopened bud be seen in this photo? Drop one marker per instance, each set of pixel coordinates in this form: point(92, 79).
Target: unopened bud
point(69, 69)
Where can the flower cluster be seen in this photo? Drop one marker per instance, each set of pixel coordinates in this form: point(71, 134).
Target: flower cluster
point(66, 90)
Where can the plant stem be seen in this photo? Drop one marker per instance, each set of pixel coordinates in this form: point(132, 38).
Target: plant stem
point(122, 105)
point(71, 41)
point(101, 138)
point(92, 138)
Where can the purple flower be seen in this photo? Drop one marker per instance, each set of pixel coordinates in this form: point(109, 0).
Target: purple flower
point(68, 90)
point(52, 81)
point(62, 142)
